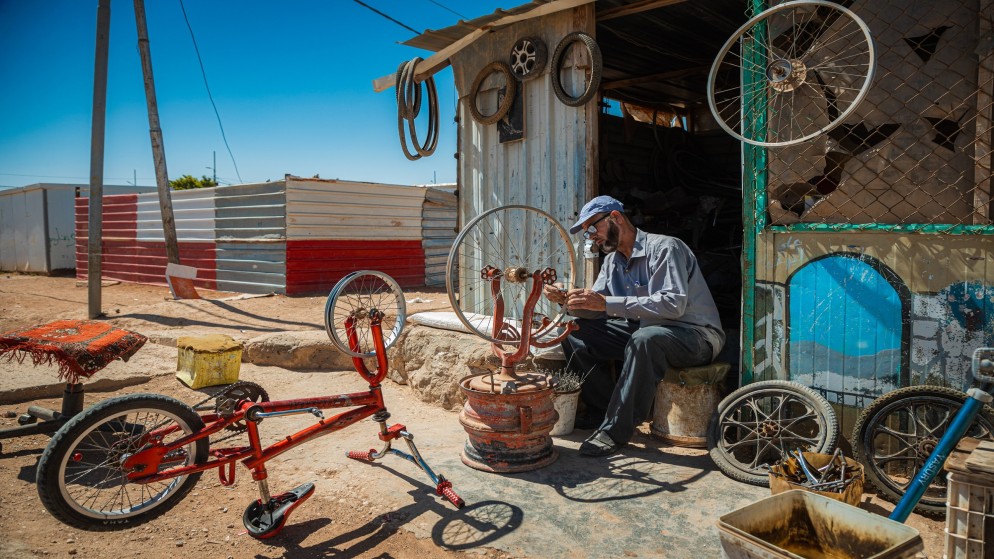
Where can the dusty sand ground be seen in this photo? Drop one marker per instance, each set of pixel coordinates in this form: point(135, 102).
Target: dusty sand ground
point(339, 521)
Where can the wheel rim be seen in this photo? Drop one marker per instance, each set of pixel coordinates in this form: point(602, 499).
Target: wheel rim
point(356, 295)
point(507, 238)
point(95, 483)
point(760, 428)
point(809, 65)
point(903, 435)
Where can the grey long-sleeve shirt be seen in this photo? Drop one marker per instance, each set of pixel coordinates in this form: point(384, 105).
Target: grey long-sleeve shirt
point(661, 284)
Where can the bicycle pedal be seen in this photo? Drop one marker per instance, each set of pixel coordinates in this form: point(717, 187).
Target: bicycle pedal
point(265, 521)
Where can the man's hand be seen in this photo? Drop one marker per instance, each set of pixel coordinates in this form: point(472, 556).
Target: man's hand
point(586, 300)
point(555, 293)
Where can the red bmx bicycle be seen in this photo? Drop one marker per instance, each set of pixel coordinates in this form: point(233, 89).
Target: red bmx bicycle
point(129, 459)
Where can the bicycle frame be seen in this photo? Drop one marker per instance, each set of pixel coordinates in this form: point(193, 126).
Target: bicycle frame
point(254, 456)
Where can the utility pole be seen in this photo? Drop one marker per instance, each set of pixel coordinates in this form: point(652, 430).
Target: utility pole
point(95, 220)
point(214, 168)
point(158, 150)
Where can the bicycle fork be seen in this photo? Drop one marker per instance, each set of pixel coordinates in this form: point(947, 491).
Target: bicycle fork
point(443, 487)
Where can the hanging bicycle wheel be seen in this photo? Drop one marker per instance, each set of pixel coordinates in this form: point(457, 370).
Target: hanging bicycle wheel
point(757, 425)
point(791, 73)
point(356, 295)
point(896, 434)
point(516, 241)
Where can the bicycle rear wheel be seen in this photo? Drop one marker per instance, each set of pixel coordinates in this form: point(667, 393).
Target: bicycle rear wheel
point(81, 479)
point(896, 434)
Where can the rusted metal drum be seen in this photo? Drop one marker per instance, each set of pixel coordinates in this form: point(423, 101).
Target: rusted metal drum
point(507, 432)
point(685, 402)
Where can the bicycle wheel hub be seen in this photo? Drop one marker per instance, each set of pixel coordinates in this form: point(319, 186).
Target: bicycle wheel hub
point(516, 275)
point(769, 429)
point(927, 446)
point(786, 75)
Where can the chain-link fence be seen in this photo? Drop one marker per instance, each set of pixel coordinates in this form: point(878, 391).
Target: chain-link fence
point(914, 152)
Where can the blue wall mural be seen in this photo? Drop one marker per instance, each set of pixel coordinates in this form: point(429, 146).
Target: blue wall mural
point(848, 328)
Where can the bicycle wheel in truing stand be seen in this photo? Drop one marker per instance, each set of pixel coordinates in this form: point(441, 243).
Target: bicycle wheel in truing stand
point(515, 241)
point(896, 434)
point(771, 83)
point(356, 295)
point(759, 424)
point(81, 476)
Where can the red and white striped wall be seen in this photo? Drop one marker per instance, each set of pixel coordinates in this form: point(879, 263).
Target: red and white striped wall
point(297, 236)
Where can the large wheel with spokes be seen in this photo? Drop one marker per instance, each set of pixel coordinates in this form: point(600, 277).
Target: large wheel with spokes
point(356, 295)
point(791, 73)
point(759, 424)
point(81, 476)
point(896, 434)
point(517, 241)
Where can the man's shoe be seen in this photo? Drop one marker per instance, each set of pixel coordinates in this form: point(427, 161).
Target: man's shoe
point(599, 444)
point(588, 421)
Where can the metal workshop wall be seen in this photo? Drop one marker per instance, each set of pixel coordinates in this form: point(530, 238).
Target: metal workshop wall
point(37, 226)
point(438, 230)
point(250, 229)
point(335, 227)
point(554, 164)
point(22, 231)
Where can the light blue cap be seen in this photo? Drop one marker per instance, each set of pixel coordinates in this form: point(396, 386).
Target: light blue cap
point(598, 205)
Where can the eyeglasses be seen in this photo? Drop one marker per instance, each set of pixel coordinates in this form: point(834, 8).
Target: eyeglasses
point(592, 229)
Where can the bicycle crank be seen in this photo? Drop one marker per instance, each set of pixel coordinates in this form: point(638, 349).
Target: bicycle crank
point(265, 520)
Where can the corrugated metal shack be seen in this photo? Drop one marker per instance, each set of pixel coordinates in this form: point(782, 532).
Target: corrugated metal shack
point(37, 225)
point(857, 262)
point(295, 236)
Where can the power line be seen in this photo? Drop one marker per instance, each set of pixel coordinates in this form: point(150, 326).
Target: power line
point(208, 87)
point(367, 6)
point(440, 5)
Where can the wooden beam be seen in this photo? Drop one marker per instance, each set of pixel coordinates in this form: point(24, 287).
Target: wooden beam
point(658, 77)
point(634, 8)
point(438, 61)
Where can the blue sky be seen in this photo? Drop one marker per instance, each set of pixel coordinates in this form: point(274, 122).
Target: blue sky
point(292, 82)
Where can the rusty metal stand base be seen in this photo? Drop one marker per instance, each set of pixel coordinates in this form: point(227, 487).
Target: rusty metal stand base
point(475, 460)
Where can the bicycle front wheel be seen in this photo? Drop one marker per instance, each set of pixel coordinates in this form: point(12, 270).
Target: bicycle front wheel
point(81, 478)
point(896, 434)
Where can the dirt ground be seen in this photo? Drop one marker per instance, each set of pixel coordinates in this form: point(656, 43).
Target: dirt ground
point(340, 520)
point(336, 523)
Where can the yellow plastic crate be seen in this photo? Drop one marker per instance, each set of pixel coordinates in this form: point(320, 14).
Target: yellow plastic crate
point(208, 360)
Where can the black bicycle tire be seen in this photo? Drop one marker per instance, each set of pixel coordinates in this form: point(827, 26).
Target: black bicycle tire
point(409, 107)
point(539, 63)
point(510, 92)
point(877, 411)
point(827, 422)
point(49, 476)
point(596, 63)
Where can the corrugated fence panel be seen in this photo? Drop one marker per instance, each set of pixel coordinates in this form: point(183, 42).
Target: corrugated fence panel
point(251, 267)
point(8, 245)
point(134, 248)
point(315, 266)
point(61, 207)
point(438, 228)
point(251, 238)
point(325, 209)
point(250, 212)
point(336, 227)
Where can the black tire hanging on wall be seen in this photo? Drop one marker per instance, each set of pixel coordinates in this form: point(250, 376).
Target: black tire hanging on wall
point(528, 58)
point(505, 105)
point(596, 67)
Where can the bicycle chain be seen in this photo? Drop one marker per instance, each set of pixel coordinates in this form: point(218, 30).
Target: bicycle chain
point(226, 400)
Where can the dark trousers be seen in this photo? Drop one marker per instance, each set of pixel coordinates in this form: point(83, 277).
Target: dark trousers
point(646, 354)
